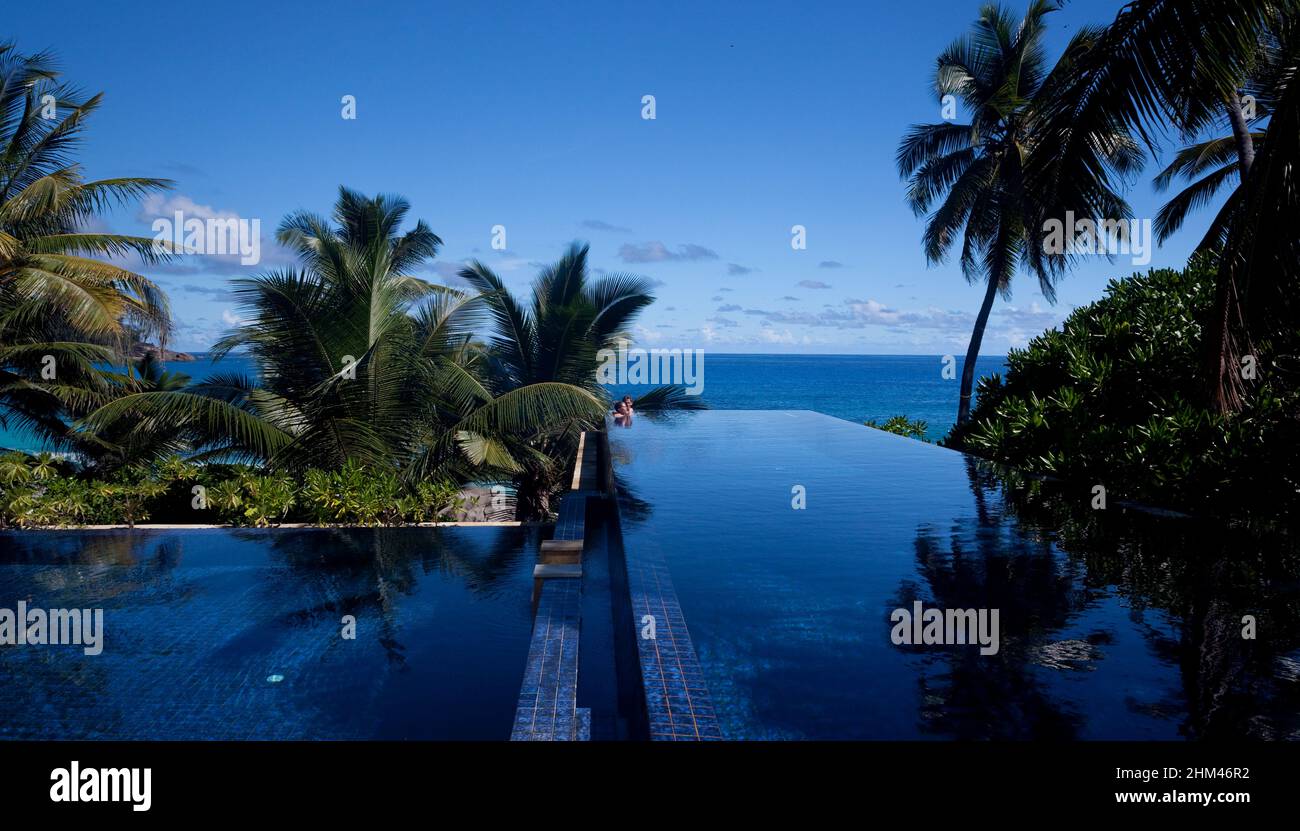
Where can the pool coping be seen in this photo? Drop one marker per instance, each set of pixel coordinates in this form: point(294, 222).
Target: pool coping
point(677, 701)
point(547, 707)
point(678, 704)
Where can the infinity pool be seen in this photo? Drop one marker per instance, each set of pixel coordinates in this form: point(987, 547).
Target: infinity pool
point(1113, 624)
point(238, 634)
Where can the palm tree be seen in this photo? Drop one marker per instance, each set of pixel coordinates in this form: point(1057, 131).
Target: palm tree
point(1208, 167)
point(555, 339)
point(135, 441)
point(57, 299)
point(358, 360)
point(1183, 63)
point(980, 181)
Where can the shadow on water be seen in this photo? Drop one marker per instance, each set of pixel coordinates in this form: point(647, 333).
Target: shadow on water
point(246, 625)
point(365, 571)
point(1047, 561)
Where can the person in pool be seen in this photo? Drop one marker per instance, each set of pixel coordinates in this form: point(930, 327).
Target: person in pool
point(623, 412)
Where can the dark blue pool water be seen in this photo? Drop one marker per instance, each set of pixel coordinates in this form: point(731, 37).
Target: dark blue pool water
point(1112, 626)
point(229, 634)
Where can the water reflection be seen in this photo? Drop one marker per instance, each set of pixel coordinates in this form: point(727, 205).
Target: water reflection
point(1114, 624)
point(198, 622)
point(357, 571)
point(1039, 553)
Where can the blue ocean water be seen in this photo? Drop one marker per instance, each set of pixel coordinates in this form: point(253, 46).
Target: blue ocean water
point(856, 388)
point(13, 437)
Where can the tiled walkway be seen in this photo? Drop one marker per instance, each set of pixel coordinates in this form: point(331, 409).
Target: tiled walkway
point(677, 700)
point(547, 708)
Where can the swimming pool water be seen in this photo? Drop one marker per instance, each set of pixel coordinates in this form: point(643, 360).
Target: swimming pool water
point(1128, 627)
point(237, 634)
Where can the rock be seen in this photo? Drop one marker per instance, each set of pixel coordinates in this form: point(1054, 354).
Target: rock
point(139, 349)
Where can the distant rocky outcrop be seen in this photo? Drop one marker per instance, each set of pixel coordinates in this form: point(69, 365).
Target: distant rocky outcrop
point(139, 349)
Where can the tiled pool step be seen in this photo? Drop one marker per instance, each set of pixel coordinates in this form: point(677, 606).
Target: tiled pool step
point(677, 699)
point(547, 709)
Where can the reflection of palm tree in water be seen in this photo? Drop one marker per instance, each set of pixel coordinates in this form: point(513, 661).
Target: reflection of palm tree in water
point(1238, 687)
point(1206, 580)
point(983, 563)
point(1232, 687)
point(368, 570)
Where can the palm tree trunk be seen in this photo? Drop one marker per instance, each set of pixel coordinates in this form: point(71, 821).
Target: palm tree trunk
point(973, 353)
point(1241, 134)
point(1220, 362)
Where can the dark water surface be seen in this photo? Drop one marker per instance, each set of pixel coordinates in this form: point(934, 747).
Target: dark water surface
point(1114, 626)
point(236, 634)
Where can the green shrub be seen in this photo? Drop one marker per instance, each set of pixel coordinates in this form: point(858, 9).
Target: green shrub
point(359, 495)
point(34, 491)
point(353, 494)
point(268, 499)
point(902, 426)
point(1114, 398)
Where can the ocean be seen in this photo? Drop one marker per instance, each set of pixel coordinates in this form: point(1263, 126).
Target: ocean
point(855, 388)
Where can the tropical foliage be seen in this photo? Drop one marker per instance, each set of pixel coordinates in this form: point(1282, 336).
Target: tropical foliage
point(63, 309)
point(1184, 64)
point(44, 491)
point(553, 341)
point(1039, 145)
point(377, 395)
point(901, 425)
point(982, 183)
point(1178, 387)
point(361, 362)
point(1113, 399)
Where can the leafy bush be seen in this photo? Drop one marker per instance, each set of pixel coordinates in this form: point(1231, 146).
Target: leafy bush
point(357, 495)
point(1114, 398)
point(35, 491)
point(902, 426)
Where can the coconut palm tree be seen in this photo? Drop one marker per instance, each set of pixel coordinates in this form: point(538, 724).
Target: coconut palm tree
point(555, 338)
point(62, 306)
point(133, 441)
point(1183, 63)
point(1208, 167)
point(980, 181)
point(359, 360)
point(1211, 165)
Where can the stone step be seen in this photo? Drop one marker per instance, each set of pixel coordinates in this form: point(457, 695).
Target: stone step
point(561, 552)
point(559, 570)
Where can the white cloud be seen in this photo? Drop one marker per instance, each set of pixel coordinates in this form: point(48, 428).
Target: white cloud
point(656, 252)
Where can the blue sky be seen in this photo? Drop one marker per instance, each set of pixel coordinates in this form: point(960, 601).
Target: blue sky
point(767, 116)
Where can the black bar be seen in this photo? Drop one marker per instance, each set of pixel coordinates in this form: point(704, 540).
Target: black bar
point(334, 779)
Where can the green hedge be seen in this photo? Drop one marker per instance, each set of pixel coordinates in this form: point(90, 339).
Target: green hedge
point(42, 490)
